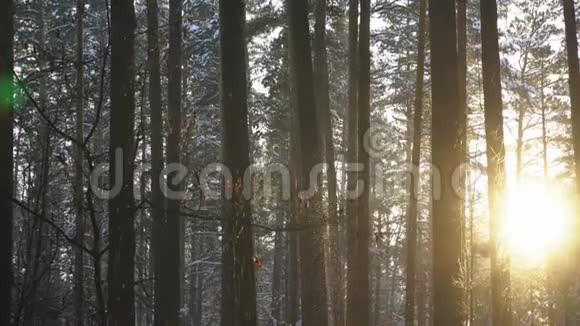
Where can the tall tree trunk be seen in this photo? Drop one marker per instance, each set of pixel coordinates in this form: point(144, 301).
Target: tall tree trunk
point(336, 290)
point(157, 200)
point(462, 67)
point(471, 270)
point(95, 209)
point(6, 164)
point(574, 83)
point(551, 266)
point(171, 260)
point(141, 261)
point(446, 134)
point(378, 274)
point(415, 175)
point(79, 168)
point(312, 258)
point(293, 260)
point(359, 282)
point(294, 161)
point(238, 279)
point(463, 124)
point(421, 291)
point(121, 279)
point(352, 157)
point(277, 274)
point(501, 307)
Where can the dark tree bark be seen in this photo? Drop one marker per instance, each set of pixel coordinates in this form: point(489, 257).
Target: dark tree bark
point(293, 308)
point(79, 168)
point(293, 283)
point(410, 289)
point(361, 270)
point(157, 200)
point(574, 83)
point(6, 164)
point(462, 55)
point(238, 279)
point(446, 135)
point(462, 75)
point(95, 212)
point(335, 282)
point(172, 239)
point(379, 245)
point(312, 260)
point(121, 279)
point(495, 149)
point(277, 273)
point(463, 145)
point(463, 124)
point(143, 227)
point(352, 158)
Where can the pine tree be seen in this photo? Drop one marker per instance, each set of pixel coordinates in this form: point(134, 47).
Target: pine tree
point(360, 310)
point(501, 307)
point(6, 152)
point(121, 279)
point(157, 200)
point(311, 248)
point(172, 239)
point(447, 294)
point(79, 170)
point(463, 123)
point(326, 130)
point(238, 279)
point(415, 164)
point(574, 84)
point(293, 259)
point(352, 159)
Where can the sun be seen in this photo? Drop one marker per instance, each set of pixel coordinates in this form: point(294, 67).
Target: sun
point(538, 221)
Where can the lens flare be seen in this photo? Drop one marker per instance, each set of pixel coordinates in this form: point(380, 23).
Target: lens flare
point(538, 221)
point(6, 91)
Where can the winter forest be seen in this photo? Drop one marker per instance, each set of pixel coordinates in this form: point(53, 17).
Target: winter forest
point(289, 162)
